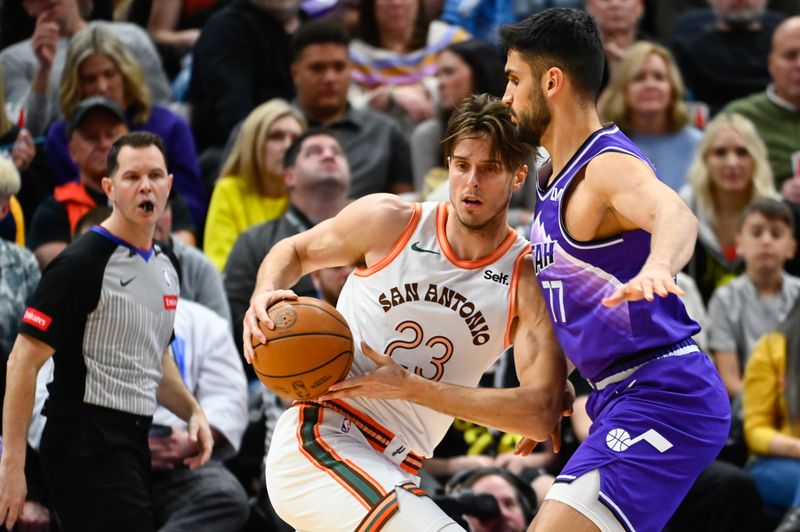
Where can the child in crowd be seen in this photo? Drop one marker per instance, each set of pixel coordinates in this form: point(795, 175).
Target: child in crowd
point(758, 300)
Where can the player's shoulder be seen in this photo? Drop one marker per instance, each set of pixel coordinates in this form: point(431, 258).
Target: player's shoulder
point(380, 209)
point(615, 169)
point(525, 272)
point(614, 160)
point(526, 290)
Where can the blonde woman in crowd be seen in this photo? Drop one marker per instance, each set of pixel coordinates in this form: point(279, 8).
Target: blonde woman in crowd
point(729, 169)
point(98, 64)
point(251, 188)
point(645, 99)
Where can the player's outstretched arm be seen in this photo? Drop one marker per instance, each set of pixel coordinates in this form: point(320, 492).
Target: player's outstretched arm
point(531, 410)
point(173, 394)
point(27, 356)
point(637, 199)
point(364, 231)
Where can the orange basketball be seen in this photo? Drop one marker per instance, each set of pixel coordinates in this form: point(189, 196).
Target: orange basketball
point(309, 349)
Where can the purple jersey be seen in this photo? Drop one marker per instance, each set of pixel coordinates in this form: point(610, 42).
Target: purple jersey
point(575, 276)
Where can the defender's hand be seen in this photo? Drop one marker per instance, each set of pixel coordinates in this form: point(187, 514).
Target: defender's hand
point(527, 445)
point(654, 279)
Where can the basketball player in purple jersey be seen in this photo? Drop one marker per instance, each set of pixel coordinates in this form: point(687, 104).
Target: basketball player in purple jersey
point(607, 240)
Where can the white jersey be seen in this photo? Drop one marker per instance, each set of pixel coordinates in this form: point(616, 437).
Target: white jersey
point(443, 318)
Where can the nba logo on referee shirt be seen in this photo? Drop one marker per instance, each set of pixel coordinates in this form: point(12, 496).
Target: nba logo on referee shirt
point(166, 277)
point(619, 440)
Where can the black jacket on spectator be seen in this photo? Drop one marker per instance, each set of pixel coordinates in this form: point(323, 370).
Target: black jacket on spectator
point(241, 60)
point(242, 267)
point(38, 180)
point(720, 67)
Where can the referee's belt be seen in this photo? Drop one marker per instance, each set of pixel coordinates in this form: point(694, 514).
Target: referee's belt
point(379, 437)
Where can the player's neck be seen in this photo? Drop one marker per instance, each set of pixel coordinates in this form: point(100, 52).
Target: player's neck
point(473, 244)
point(135, 235)
point(567, 131)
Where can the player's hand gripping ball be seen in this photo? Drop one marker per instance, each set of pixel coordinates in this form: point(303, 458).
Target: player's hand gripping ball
point(309, 349)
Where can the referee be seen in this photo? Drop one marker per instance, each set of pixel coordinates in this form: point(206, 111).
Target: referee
point(104, 310)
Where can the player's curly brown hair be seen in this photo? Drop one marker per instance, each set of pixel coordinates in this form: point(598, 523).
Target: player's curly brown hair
point(485, 114)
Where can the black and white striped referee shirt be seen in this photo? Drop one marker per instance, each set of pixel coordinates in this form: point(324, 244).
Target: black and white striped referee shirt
point(107, 308)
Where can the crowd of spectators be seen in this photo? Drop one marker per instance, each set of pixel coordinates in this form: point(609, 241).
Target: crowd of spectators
point(276, 113)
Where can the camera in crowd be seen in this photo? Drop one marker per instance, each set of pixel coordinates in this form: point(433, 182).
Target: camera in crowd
point(482, 506)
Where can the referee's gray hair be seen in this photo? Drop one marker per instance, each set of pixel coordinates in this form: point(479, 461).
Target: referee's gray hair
point(10, 182)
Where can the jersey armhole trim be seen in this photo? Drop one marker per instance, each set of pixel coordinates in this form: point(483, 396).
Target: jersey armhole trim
point(512, 299)
point(608, 241)
point(398, 246)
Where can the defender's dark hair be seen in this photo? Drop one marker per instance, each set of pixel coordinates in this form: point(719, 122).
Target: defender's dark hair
point(482, 113)
point(320, 31)
point(771, 209)
point(290, 157)
point(137, 139)
point(560, 37)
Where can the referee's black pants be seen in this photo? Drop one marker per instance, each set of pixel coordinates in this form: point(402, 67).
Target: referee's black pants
point(96, 463)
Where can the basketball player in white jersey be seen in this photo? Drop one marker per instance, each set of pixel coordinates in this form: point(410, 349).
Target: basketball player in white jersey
point(444, 289)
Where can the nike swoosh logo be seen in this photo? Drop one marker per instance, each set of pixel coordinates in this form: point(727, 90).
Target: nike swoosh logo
point(126, 283)
point(415, 247)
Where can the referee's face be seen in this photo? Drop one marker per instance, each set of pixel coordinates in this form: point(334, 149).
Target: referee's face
point(139, 188)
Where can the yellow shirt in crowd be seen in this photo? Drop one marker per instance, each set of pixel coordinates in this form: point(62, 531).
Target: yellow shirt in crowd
point(232, 210)
point(764, 395)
